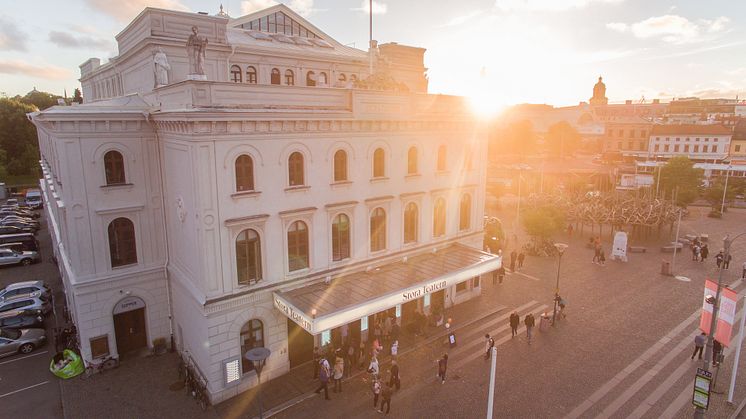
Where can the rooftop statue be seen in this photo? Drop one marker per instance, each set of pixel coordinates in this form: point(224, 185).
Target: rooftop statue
point(161, 67)
point(196, 46)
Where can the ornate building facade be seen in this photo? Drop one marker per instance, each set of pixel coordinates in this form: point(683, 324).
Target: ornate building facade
point(240, 183)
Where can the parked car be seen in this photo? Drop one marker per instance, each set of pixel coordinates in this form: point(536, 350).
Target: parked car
point(11, 201)
point(21, 319)
point(28, 240)
point(33, 198)
point(12, 257)
point(26, 288)
point(26, 303)
point(20, 224)
point(21, 340)
point(15, 230)
point(20, 218)
point(4, 212)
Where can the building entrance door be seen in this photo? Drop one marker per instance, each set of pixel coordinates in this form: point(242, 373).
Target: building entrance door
point(300, 344)
point(129, 328)
point(407, 313)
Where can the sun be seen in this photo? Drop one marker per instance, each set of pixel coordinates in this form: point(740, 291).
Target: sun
point(485, 103)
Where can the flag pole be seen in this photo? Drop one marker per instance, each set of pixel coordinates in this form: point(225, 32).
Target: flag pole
point(370, 38)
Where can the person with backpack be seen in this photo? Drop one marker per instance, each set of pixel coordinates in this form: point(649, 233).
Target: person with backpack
point(376, 388)
point(386, 393)
point(489, 344)
point(323, 380)
point(373, 367)
point(339, 371)
point(529, 321)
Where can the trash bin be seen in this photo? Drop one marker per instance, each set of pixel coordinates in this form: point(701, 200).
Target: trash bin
point(666, 267)
point(544, 323)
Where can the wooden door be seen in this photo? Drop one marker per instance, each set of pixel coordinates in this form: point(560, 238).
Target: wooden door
point(300, 344)
point(129, 328)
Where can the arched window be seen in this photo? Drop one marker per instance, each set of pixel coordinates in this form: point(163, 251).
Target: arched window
point(340, 166)
point(378, 230)
point(244, 173)
point(236, 74)
point(248, 257)
point(342, 78)
point(122, 245)
point(251, 75)
point(439, 218)
point(289, 77)
point(340, 237)
point(441, 158)
point(323, 79)
point(464, 220)
point(412, 161)
point(310, 79)
point(297, 246)
point(379, 163)
point(252, 336)
point(275, 76)
point(295, 169)
point(114, 168)
point(411, 215)
point(353, 78)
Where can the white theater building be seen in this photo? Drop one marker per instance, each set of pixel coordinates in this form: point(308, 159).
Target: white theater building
point(270, 192)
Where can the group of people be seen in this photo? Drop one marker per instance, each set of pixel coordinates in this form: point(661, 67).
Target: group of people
point(699, 345)
point(519, 257)
point(599, 254)
point(700, 251)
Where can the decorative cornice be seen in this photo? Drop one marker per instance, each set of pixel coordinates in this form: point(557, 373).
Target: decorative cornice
point(379, 199)
point(341, 204)
point(298, 211)
point(251, 218)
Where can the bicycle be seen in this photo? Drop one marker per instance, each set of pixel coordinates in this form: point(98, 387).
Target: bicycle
point(99, 366)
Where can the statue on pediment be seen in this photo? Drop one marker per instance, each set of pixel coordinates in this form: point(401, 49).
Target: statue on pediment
point(196, 47)
point(161, 67)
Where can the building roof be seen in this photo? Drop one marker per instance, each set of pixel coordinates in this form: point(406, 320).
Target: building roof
point(285, 44)
point(691, 129)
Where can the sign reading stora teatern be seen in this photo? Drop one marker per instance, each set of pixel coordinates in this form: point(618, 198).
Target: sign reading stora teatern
point(294, 315)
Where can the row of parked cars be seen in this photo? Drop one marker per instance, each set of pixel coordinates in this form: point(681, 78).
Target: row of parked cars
point(23, 308)
point(18, 227)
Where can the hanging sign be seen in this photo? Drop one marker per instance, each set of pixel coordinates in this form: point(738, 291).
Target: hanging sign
point(701, 396)
point(726, 312)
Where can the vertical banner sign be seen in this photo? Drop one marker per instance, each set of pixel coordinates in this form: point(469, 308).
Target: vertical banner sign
point(726, 313)
point(701, 396)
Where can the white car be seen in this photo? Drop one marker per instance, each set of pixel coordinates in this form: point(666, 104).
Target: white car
point(27, 288)
point(12, 257)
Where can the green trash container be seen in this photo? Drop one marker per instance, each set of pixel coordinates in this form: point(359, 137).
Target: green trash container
point(73, 364)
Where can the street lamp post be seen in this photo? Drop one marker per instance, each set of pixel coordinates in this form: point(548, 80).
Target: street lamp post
point(725, 189)
point(561, 247)
point(258, 356)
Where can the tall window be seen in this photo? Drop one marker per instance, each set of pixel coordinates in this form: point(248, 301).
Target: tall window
point(412, 161)
point(464, 220)
point(289, 77)
point(251, 75)
point(442, 158)
point(114, 168)
point(310, 79)
point(252, 336)
point(379, 164)
point(295, 169)
point(297, 246)
point(378, 230)
point(439, 218)
point(410, 223)
point(235, 74)
point(340, 237)
point(340, 166)
point(322, 79)
point(122, 245)
point(244, 173)
point(275, 76)
point(248, 257)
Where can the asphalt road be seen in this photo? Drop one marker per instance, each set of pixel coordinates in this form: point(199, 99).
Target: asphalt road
point(27, 388)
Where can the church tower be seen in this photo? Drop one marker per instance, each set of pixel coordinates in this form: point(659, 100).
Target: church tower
point(599, 93)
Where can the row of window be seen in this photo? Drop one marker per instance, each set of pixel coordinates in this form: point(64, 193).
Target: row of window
point(244, 167)
point(620, 133)
point(707, 139)
point(249, 249)
point(276, 77)
point(695, 148)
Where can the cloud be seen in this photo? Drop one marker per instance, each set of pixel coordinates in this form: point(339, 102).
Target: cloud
point(378, 7)
point(124, 11)
point(458, 20)
point(11, 36)
point(673, 29)
point(48, 72)
point(66, 40)
point(545, 5)
point(302, 7)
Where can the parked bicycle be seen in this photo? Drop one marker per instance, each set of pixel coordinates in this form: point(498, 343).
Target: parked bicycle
point(100, 365)
point(66, 338)
point(194, 386)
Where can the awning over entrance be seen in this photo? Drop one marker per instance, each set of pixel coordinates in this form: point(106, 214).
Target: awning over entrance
point(355, 295)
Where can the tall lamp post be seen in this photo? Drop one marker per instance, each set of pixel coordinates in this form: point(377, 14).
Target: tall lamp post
point(727, 241)
point(725, 189)
point(258, 356)
point(561, 247)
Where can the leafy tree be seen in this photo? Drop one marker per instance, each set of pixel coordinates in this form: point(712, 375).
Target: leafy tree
point(3, 164)
point(680, 177)
point(562, 139)
point(714, 194)
point(42, 100)
point(77, 96)
point(543, 222)
point(18, 137)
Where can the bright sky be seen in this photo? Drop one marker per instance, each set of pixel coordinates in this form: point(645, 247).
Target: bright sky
point(508, 51)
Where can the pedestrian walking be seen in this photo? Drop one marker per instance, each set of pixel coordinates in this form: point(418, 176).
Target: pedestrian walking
point(489, 344)
point(361, 354)
point(386, 393)
point(596, 252)
point(743, 273)
point(513, 257)
point(323, 380)
point(376, 388)
point(562, 303)
point(726, 261)
point(395, 330)
point(316, 359)
point(719, 258)
point(501, 273)
point(704, 252)
point(695, 252)
point(717, 348)
point(351, 355)
point(521, 258)
point(395, 378)
point(442, 368)
point(373, 367)
point(394, 349)
point(699, 344)
point(515, 320)
point(339, 371)
point(602, 257)
point(529, 321)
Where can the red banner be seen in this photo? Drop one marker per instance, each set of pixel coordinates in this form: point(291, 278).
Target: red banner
point(726, 312)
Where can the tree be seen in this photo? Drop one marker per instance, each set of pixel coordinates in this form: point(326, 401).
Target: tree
point(18, 137)
point(77, 96)
point(680, 177)
point(714, 194)
point(562, 139)
point(543, 222)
